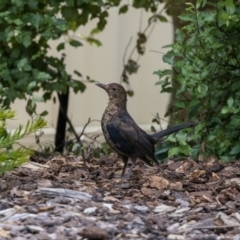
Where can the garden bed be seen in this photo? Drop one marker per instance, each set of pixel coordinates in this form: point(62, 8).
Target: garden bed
point(60, 199)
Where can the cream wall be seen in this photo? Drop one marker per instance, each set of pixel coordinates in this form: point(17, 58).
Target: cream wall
point(105, 65)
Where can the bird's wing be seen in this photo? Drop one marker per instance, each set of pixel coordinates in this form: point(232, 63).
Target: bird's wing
point(130, 137)
point(126, 126)
point(122, 133)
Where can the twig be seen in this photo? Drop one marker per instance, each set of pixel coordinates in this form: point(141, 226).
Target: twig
point(141, 18)
point(84, 127)
point(81, 134)
point(218, 201)
point(180, 158)
point(126, 49)
point(93, 138)
point(76, 135)
point(162, 119)
point(217, 227)
point(90, 147)
point(135, 47)
point(36, 164)
point(159, 120)
point(156, 51)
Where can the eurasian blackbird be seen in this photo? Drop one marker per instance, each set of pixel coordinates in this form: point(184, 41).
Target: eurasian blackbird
point(122, 133)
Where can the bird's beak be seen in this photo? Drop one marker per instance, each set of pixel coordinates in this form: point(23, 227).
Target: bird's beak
point(104, 86)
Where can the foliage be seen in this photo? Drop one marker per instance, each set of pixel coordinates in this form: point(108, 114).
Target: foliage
point(206, 60)
point(12, 157)
point(26, 26)
point(104, 149)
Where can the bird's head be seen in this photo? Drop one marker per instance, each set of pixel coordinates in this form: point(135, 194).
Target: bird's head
point(116, 92)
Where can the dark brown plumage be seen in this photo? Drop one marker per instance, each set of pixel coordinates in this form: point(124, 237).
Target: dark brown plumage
point(122, 133)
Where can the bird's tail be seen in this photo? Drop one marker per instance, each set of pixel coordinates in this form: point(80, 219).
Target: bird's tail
point(171, 130)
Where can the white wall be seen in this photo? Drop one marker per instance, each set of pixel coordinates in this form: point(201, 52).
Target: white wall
point(105, 65)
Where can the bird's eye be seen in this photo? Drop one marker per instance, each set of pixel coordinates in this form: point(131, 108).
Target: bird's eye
point(114, 89)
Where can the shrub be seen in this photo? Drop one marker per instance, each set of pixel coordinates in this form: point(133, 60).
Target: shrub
point(12, 157)
point(206, 63)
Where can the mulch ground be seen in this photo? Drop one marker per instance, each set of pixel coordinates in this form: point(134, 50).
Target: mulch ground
point(60, 199)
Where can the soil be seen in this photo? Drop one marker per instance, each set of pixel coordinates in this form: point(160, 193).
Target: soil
point(61, 199)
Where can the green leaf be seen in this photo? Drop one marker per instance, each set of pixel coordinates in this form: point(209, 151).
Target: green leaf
point(226, 158)
point(69, 13)
point(153, 129)
point(230, 6)
point(235, 150)
point(235, 120)
point(172, 138)
point(210, 16)
point(76, 148)
point(18, 21)
point(198, 3)
point(174, 151)
point(27, 40)
point(22, 63)
point(130, 93)
point(36, 18)
point(75, 43)
point(32, 85)
point(162, 18)
point(202, 88)
point(230, 102)
point(187, 17)
point(184, 149)
point(224, 110)
point(162, 73)
point(195, 151)
point(77, 86)
point(78, 73)
point(94, 41)
point(161, 152)
point(155, 120)
point(44, 113)
point(102, 20)
point(185, 72)
point(31, 107)
point(42, 76)
point(36, 98)
point(95, 31)
point(61, 46)
point(168, 58)
point(193, 111)
point(37, 55)
point(179, 104)
point(123, 9)
point(141, 4)
point(211, 138)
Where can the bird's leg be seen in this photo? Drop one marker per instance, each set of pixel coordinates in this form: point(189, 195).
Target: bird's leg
point(131, 168)
point(125, 161)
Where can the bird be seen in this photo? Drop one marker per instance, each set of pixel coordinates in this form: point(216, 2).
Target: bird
point(122, 133)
